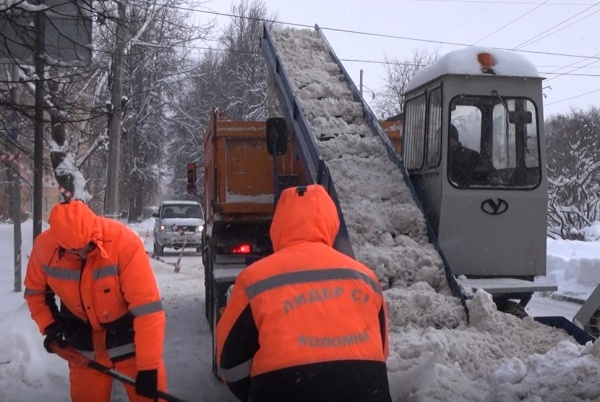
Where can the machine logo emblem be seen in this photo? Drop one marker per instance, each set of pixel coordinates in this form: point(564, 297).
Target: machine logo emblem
point(494, 207)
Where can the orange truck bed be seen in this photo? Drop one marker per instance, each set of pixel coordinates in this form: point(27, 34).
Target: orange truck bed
point(394, 130)
point(238, 170)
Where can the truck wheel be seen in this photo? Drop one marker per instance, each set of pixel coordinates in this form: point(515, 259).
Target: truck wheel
point(204, 247)
point(206, 296)
point(158, 249)
point(208, 290)
point(215, 369)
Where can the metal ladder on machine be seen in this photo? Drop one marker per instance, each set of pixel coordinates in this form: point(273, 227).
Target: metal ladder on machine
point(315, 167)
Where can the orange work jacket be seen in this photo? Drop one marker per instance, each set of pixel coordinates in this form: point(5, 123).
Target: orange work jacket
point(308, 303)
point(115, 281)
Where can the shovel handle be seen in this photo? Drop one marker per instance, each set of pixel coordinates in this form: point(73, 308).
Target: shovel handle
point(70, 354)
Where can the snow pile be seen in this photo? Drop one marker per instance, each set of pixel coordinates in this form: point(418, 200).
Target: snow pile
point(592, 232)
point(28, 364)
point(465, 61)
point(573, 263)
point(467, 363)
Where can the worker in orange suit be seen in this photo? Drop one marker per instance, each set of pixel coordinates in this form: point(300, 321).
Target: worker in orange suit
point(110, 305)
point(306, 323)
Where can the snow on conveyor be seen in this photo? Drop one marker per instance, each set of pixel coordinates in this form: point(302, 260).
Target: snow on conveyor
point(434, 354)
point(386, 228)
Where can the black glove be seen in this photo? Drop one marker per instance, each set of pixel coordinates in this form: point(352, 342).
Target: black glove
point(146, 383)
point(54, 334)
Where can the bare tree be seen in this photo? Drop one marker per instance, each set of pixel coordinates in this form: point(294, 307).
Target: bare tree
point(157, 66)
point(389, 101)
point(70, 102)
point(204, 91)
point(232, 78)
point(243, 63)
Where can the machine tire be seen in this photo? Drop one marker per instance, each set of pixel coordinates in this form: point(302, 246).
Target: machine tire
point(593, 325)
point(514, 308)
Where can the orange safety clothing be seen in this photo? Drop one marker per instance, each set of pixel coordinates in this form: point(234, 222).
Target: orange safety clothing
point(306, 307)
point(92, 386)
point(111, 309)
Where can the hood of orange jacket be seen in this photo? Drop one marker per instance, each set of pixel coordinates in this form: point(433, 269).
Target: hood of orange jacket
point(73, 225)
point(304, 216)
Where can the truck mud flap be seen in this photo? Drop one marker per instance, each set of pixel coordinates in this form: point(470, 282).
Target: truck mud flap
point(579, 334)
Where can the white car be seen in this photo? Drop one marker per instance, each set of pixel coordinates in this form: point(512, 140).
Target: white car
point(178, 224)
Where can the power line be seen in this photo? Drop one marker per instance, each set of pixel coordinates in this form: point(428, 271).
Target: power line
point(550, 66)
point(597, 57)
point(515, 20)
point(416, 64)
point(572, 97)
point(516, 3)
point(539, 37)
point(569, 74)
point(575, 69)
point(377, 34)
point(398, 63)
point(466, 20)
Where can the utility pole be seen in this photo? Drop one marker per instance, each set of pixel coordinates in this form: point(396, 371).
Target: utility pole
point(15, 182)
point(38, 139)
point(111, 200)
point(361, 82)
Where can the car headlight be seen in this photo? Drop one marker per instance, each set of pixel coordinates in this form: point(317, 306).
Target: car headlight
point(166, 228)
point(199, 228)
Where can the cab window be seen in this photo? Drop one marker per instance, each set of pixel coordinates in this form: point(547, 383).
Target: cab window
point(493, 142)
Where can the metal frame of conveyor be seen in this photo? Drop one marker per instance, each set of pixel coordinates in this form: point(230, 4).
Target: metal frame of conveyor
point(304, 140)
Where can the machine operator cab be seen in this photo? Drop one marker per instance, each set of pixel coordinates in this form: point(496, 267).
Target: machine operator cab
point(473, 145)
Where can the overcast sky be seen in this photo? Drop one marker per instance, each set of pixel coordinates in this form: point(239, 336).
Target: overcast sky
point(565, 28)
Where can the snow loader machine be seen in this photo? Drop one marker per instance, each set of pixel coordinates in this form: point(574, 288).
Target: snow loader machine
point(490, 229)
point(490, 223)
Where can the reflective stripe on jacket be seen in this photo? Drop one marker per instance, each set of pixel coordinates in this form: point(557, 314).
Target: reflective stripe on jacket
point(115, 282)
point(305, 304)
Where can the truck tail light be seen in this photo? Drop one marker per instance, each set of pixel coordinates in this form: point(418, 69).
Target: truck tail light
point(241, 249)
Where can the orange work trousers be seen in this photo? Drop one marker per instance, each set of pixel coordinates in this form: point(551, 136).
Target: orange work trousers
point(89, 385)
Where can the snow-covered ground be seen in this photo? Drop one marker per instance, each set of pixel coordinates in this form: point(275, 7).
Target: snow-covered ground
point(446, 365)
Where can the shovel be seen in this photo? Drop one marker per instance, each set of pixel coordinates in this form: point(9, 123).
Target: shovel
point(70, 354)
